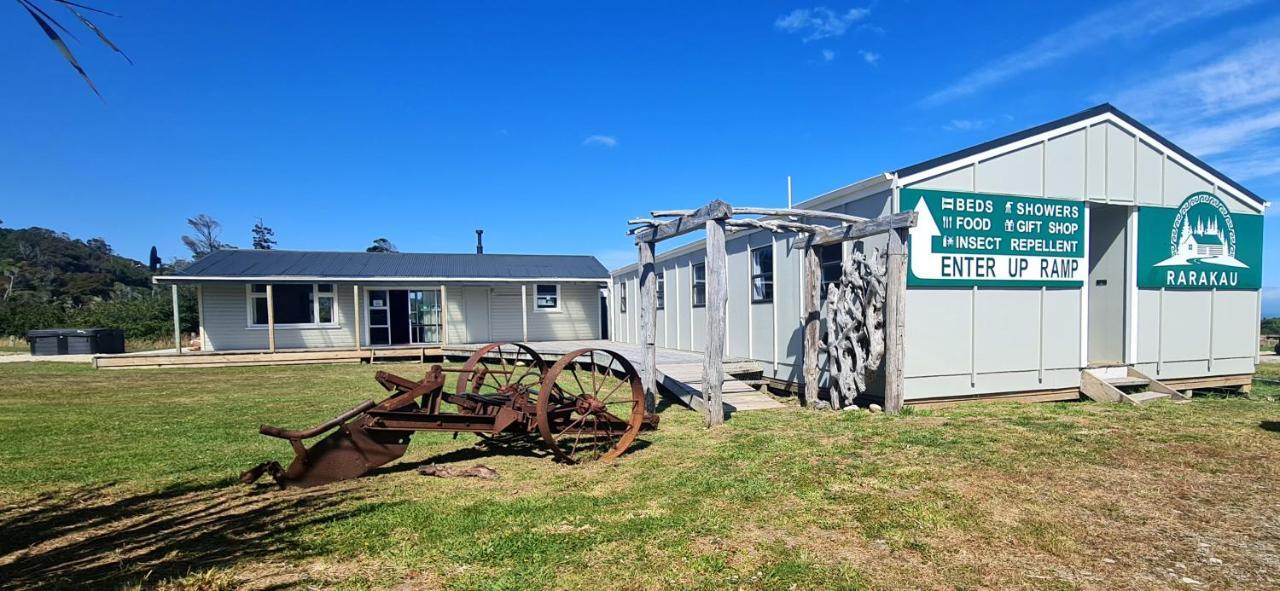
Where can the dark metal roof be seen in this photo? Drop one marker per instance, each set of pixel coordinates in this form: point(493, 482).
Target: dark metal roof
point(1068, 120)
point(361, 265)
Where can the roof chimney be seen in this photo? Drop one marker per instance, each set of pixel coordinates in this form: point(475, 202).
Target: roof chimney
point(479, 241)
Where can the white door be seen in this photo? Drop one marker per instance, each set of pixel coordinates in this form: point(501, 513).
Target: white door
point(475, 313)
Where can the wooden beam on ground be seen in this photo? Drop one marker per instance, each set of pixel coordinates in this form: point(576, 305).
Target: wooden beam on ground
point(271, 319)
point(648, 325)
point(810, 302)
point(895, 320)
point(713, 358)
point(716, 210)
point(836, 234)
point(177, 322)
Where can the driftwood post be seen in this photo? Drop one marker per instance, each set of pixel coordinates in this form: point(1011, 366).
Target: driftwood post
point(895, 321)
point(713, 359)
point(648, 325)
point(811, 297)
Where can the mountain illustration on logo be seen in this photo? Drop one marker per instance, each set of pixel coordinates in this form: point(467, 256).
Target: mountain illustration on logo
point(1211, 240)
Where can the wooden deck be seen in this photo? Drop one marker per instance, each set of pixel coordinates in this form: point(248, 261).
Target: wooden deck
point(679, 373)
point(161, 359)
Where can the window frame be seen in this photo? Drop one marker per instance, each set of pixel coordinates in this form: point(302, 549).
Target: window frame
point(760, 273)
point(537, 306)
point(699, 286)
point(622, 297)
point(252, 297)
point(823, 265)
point(661, 290)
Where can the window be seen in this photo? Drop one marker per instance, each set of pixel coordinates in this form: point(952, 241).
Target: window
point(547, 297)
point(762, 274)
point(296, 304)
point(622, 298)
point(700, 285)
point(830, 260)
point(662, 291)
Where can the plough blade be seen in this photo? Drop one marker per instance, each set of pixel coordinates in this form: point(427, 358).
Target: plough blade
point(347, 452)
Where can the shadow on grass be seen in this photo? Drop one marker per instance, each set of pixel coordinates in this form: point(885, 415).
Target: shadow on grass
point(524, 446)
point(1272, 426)
point(96, 538)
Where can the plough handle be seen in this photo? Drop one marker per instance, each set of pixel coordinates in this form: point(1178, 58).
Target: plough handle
point(271, 431)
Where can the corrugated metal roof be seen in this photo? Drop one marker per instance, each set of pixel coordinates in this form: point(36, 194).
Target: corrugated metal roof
point(286, 263)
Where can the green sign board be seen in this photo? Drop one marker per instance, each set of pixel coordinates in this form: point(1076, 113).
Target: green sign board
point(1199, 245)
point(966, 239)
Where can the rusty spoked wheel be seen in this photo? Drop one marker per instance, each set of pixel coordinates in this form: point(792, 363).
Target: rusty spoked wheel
point(502, 368)
point(590, 406)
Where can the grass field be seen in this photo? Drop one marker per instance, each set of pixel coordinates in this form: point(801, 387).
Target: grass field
point(125, 479)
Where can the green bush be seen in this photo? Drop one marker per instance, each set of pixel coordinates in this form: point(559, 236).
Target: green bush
point(142, 314)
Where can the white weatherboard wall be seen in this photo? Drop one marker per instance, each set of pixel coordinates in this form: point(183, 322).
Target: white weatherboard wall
point(473, 314)
point(966, 341)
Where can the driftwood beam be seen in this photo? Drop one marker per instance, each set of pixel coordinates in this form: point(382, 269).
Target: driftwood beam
point(806, 213)
point(717, 210)
point(835, 234)
point(773, 225)
point(671, 213)
point(643, 221)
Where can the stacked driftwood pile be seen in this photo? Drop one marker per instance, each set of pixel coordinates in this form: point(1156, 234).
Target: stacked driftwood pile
point(854, 312)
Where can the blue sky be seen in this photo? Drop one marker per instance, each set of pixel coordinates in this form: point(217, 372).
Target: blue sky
point(550, 124)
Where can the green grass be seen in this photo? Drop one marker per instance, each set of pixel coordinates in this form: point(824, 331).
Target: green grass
point(115, 478)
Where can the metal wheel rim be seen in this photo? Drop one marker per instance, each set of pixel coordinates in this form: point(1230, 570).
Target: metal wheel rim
point(550, 389)
point(536, 367)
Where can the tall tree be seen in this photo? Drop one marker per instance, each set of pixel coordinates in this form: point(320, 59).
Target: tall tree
point(154, 262)
point(264, 238)
point(206, 239)
point(382, 245)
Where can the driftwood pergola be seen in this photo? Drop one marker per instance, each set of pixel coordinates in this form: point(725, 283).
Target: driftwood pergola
point(715, 217)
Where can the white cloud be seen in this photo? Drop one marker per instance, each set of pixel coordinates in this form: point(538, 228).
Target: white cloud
point(965, 124)
point(1225, 107)
point(1133, 19)
point(828, 55)
point(820, 22)
point(606, 141)
point(869, 56)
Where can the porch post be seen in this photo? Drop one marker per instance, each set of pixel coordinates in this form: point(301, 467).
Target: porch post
point(444, 315)
point(524, 312)
point(812, 299)
point(177, 324)
point(355, 290)
point(271, 319)
point(713, 357)
point(648, 325)
point(895, 321)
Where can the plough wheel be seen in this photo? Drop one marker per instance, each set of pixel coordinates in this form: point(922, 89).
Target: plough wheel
point(590, 406)
point(500, 368)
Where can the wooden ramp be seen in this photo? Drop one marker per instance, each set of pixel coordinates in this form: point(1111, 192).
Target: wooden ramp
point(684, 382)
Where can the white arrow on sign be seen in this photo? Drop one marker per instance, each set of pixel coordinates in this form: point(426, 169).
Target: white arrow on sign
point(926, 264)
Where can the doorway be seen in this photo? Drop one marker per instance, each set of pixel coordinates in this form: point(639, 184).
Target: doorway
point(1108, 256)
point(403, 316)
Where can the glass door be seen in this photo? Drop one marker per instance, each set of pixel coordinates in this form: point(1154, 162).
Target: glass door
point(424, 316)
point(379, 317)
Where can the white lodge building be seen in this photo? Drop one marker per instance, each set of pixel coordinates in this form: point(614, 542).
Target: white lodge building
point(1086, 242)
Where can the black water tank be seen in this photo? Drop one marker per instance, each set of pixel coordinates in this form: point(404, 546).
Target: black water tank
point(76, 341)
